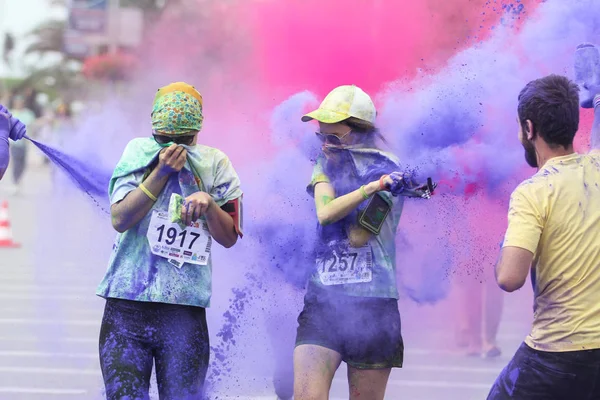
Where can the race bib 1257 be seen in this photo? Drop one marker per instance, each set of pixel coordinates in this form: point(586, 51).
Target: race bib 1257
point(345, 264)
point(190, 244)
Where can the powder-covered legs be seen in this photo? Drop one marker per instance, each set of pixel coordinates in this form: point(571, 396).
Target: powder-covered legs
point(314, 368)
point(133, 334)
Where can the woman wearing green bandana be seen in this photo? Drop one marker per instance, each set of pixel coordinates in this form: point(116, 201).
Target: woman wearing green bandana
point(171, 197)
point(351, 306)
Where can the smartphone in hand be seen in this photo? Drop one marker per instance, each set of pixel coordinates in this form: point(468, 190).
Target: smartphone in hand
point(374, 215)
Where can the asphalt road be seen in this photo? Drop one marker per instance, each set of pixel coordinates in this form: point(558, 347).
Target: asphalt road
point(50, 316)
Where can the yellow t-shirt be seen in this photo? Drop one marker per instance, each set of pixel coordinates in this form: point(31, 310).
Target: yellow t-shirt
point(556, 216)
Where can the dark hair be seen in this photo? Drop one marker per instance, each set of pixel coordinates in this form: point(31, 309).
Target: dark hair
point(552, 106)
point(364, 127)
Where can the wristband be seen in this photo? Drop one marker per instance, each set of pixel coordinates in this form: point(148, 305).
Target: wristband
point(381, 184)
point(145, 190)
point(597, 101)
point(364, 192)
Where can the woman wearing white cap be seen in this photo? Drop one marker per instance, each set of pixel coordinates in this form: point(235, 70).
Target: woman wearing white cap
point(351, 305)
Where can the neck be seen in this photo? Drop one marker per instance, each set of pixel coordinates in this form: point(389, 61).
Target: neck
point(545, 153)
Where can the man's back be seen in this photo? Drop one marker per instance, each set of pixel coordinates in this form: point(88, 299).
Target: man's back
point(561, 206)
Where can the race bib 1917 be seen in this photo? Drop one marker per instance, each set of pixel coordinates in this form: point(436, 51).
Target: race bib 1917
point(190, 244)
point(344, 265)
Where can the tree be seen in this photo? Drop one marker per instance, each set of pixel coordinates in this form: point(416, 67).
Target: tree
point(48, 38)
point(9, 45)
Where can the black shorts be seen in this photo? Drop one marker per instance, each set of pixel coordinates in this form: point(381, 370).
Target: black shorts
point(540, 375)
point(364, 331)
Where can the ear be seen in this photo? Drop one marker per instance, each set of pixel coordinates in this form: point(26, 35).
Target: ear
point(529, 130)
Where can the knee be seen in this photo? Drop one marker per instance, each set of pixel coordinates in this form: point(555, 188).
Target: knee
point(308, 386)
point(306, 391)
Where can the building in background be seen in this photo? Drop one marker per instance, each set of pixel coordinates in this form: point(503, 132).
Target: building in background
point(100, 26)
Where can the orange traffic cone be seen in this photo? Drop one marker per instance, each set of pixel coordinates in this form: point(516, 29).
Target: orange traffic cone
point(5, 231)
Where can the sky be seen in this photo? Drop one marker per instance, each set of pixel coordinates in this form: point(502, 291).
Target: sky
point(19, 17)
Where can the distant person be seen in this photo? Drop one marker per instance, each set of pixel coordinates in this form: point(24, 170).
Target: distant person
point(62, 124)
point(30, 97)
point(553, 227)
point(6, 96)
point(481, 300)
point(10, 127)
point(18, 149)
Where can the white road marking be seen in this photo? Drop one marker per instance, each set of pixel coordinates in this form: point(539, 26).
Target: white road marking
point(471, 370)
point(41, 354)
point(19, 390)
point(58, 322)
point(50, 296)
point(440, 384)
point(36, 339)
point(51, 371)
point(41, 288)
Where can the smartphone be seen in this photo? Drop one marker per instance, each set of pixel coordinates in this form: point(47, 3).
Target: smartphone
point(373, 217)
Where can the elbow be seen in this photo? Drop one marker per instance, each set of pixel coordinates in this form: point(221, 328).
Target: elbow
point(509, 283)
point(229, 242)
point(227, 238)
point(119, 228)
point(324, 218)
point(118, 224)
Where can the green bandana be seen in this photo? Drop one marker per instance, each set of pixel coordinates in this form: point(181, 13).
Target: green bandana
point(177, 113)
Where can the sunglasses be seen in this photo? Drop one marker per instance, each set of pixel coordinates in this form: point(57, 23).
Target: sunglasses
point(331, 138)
point(178, 139)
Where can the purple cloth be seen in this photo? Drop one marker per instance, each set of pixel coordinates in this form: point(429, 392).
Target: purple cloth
point(17, 129)
point(9, 127)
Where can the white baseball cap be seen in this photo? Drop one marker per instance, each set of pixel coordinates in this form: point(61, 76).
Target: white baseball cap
point(342, 103)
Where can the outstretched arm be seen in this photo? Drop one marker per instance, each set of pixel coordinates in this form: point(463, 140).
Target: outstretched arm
point(10, 127)
point(4, 151)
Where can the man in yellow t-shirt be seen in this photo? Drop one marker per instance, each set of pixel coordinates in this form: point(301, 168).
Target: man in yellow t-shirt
point(553, 231)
